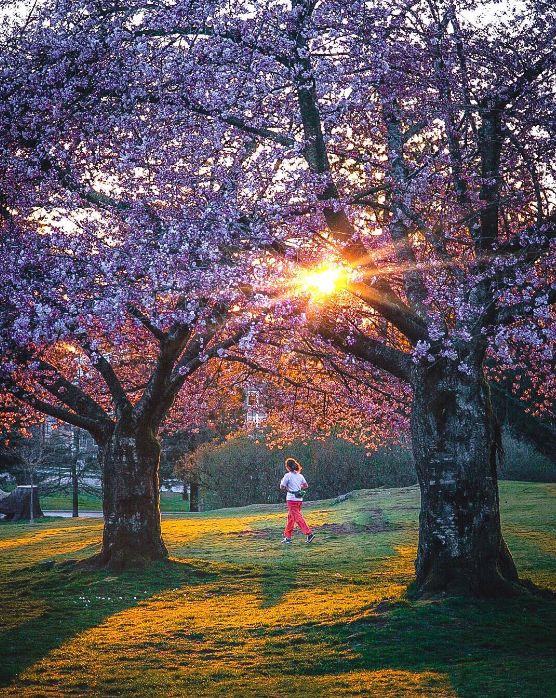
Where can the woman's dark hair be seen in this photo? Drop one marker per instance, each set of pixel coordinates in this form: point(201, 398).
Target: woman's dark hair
point(292, 465)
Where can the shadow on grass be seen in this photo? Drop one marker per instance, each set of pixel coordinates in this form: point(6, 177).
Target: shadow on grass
point(483, 648)
point(47, 604)
point(276, 583)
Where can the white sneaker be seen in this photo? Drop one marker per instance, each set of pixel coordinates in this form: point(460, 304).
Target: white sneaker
point(286, 540)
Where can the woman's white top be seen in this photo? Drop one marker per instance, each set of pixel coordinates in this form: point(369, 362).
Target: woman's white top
point(293, 481)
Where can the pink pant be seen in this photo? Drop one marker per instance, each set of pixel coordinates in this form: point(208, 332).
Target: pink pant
point(295, 517)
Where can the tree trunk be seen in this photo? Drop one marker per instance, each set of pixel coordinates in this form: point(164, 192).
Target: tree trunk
point(456, 442)
point(185, 492)
point(194, 500)
point(74, 481)
point(131, 500)
point(74, 490)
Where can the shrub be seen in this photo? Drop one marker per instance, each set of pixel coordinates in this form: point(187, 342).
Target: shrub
point(243, 471)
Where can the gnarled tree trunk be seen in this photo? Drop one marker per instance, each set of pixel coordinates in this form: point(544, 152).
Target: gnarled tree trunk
point(131, 502)
point(456, 442)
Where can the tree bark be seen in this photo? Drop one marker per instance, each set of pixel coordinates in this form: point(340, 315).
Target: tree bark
point(131, 502)
point(456, 441)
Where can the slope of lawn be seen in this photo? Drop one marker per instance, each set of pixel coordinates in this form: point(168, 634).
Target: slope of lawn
point(237, 614)
point(169, 501)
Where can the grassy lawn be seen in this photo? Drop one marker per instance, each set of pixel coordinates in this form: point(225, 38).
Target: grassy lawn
point(169, 501)
point(237, 614)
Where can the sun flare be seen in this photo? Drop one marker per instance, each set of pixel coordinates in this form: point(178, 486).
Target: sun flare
point(321, 281)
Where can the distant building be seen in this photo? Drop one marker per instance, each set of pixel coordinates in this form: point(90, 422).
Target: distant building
point(255, 413)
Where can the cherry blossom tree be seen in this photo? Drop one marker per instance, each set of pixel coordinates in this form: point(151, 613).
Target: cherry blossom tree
point(87, 340)
point(121, 271)
point(408, 145)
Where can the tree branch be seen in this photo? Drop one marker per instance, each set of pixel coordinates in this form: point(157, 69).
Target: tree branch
point(380, 297)
point(386, 358)
point(146, 322)
point(195, 356)
point(96, 428)
point(240, 124)
point(147, 407)
point(68, 393)
point(507, 315)
point(511, 92)
point(413, 279)
point(316, 156)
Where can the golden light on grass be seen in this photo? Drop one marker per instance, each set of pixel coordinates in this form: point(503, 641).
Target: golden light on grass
point(227, 637)
point(321, 281)
point(237, 614)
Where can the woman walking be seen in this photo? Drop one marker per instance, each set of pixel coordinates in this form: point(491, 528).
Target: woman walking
point(295, 485)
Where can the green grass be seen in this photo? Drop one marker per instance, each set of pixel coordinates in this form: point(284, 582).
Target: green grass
point(169, 501)
point(237, 614)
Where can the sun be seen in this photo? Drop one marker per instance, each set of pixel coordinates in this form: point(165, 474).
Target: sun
point(321, 281)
